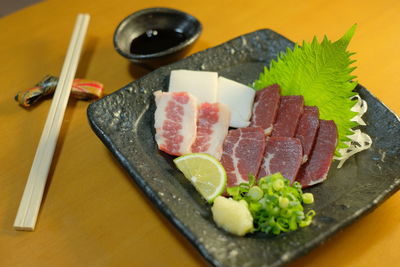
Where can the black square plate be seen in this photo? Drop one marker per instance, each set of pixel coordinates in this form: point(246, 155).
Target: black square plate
point(124, 122)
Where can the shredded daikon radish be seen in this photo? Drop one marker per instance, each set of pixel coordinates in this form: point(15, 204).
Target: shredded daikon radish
point(359, 141)
point(361, 107)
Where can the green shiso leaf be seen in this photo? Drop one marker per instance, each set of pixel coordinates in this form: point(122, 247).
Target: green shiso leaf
point(321, 72)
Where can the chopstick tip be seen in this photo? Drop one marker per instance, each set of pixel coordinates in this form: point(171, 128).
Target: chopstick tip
point(85, 15)
point(24, 228)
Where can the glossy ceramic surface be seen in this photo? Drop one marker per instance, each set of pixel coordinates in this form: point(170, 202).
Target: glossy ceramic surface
point(157, 18)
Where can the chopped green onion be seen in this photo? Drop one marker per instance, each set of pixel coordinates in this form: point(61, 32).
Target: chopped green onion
point(308, 198)
point(254, 206)
point(276, 206)
point(278, 185)
point(308, 219)
point(283, 202)
point(255, 193)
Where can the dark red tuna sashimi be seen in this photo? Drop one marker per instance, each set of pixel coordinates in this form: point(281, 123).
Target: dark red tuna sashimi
point(282, 154)
point(289, 112)
point(265, 108)
point(307, 129)
point(242, 154)
point(315, 170)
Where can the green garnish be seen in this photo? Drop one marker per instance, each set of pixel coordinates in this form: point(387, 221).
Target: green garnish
point(321, 72)
point(276, 206)
point(308, 198)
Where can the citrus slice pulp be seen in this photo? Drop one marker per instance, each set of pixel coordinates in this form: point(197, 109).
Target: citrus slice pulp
point(205, 172)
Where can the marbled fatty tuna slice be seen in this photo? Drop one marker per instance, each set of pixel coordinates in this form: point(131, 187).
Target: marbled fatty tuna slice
point(265, 108)
point(315, 170)
point(307, 129)
point(289, 112)
point(212, 127)
point(282, 154)
point(242, 154)
point(175, 121)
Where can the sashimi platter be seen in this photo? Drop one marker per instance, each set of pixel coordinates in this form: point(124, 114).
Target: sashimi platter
point(258, 149)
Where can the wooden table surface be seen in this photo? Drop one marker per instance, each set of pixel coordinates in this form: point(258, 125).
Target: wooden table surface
point(92, 214)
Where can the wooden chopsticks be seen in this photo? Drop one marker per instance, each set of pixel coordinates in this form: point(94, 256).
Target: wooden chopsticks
point(32, 197)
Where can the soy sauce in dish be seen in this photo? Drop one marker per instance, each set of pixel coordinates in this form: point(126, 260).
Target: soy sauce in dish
point(153, 41)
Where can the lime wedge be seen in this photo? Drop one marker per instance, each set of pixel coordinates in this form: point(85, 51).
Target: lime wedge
point(205, 172)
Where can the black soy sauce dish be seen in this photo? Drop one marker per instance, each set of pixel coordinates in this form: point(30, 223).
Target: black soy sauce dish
point(157, 36)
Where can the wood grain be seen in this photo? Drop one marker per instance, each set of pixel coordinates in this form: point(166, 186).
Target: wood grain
point(92, 214)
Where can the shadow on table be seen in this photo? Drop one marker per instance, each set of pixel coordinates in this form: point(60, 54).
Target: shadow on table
point(138, 71)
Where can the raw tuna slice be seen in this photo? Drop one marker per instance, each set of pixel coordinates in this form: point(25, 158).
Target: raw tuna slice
point(282, 154)
point(307, 129)
point(265, 108)
point(212, 128)
point(242, 153)
point(289, 112)
point(316, 168)
point(175, 122)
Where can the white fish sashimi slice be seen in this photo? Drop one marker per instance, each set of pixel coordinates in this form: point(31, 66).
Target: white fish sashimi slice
point(201, 84)
point(239, 98)
point(175, 122)
point(212, 128)
point(239, 124)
